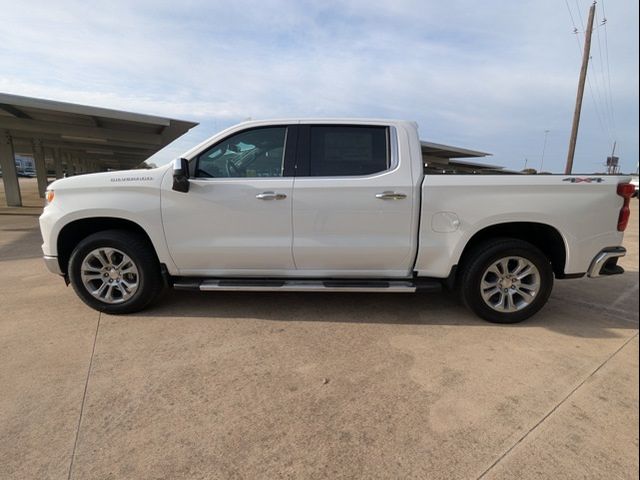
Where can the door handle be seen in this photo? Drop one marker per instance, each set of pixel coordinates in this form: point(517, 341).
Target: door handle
point(390, 196)
point(271, 196)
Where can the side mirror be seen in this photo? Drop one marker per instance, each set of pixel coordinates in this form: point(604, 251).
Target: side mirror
point(181, 175)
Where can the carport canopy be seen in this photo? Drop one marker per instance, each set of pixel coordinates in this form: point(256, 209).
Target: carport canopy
point(439, 158)
point(438, 150)
point(76, 138)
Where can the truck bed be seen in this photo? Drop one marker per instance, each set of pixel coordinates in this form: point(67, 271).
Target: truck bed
point(457, 207)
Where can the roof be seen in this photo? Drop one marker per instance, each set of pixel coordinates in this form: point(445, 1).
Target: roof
point(110, 138)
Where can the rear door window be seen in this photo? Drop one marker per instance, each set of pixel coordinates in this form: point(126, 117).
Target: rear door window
point(342, 150)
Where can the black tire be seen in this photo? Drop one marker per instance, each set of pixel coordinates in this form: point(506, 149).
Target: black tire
point(149, 278)
point(486, 255)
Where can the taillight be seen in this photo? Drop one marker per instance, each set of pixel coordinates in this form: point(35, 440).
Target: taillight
point(625, 190)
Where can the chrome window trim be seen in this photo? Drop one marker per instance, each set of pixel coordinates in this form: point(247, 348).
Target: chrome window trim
point(393, 148)
point(393, 154)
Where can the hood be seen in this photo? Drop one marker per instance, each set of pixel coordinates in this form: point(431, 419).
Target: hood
point(118, 178)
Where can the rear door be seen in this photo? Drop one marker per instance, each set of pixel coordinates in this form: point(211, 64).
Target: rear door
point(353, 203)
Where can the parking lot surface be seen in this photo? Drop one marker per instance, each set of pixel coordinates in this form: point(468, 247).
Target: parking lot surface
point(285, 385)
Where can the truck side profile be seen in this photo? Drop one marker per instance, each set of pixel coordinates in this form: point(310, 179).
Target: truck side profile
point(329, 205)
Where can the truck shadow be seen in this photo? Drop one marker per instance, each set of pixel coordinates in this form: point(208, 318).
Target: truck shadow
point(19, 235)
point(582, 308)
point(25, 245)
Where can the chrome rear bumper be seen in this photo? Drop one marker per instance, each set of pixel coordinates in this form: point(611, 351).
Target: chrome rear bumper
point(605, 262)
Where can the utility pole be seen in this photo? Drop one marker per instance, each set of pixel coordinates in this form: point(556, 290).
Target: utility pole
point(583, 78)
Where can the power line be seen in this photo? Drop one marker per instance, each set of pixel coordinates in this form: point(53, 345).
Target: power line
point(575, 29)
point(601, 85)
point(580, 15)
point(600, 92)
point(606, 47)
point(597, 109)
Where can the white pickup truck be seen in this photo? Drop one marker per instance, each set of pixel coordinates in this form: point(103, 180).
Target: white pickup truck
point(329, 205)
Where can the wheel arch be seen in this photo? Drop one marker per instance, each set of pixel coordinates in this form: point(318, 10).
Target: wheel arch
point(543, 236)
point(77, 230)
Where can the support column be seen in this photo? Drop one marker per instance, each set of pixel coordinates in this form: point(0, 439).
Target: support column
point(9, 171)
point(71, 166)
point(57, 161)
point(48, 160)
point(67, 165)
point(41, 166)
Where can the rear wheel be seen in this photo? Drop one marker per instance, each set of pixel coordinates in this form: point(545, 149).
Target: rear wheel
point(115, 271)
point(506, 280)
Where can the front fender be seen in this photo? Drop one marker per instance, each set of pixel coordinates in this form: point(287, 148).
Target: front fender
point(139, 204)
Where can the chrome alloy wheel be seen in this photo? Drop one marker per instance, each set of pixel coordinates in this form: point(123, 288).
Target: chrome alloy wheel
point(109, 275)
point(510, 284)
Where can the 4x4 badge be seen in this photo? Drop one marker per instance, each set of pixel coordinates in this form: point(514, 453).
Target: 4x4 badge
point(584, 179)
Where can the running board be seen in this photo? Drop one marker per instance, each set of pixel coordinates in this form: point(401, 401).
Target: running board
point(293, 285)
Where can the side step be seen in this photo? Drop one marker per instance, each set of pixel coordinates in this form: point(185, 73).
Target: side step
point(302, 285)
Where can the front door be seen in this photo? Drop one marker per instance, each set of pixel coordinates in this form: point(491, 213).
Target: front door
point(236, 218)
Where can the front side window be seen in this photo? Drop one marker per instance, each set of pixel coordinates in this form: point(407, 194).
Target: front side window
point(347, 150)
point(252, 153)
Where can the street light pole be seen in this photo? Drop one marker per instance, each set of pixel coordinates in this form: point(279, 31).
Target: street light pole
point(544, 147)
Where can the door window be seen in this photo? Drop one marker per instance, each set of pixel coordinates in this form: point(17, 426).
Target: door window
point(251, 153)
point(347, 150)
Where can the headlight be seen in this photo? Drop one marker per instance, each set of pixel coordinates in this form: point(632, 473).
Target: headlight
point(49, 196)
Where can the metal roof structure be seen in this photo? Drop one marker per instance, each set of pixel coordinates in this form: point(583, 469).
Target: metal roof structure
point(447, 151)
point(84, 138)
point(439, 158)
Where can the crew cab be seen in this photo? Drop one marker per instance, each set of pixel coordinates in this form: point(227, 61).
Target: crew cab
point(329, 205)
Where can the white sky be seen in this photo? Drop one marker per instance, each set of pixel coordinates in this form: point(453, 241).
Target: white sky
point(491, 75)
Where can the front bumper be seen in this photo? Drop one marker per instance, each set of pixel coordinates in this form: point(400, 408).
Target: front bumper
point(605, 263)
point(52, 264)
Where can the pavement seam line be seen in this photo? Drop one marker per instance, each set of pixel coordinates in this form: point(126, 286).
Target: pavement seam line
point(617, 313)
point(631, 291)
point(84, 397)
point(558, 405)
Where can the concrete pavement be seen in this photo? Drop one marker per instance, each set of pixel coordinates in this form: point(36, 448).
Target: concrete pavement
point(243, 385)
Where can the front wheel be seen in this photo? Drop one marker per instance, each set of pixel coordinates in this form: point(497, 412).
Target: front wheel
point(506, 281)
point(115, 271)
